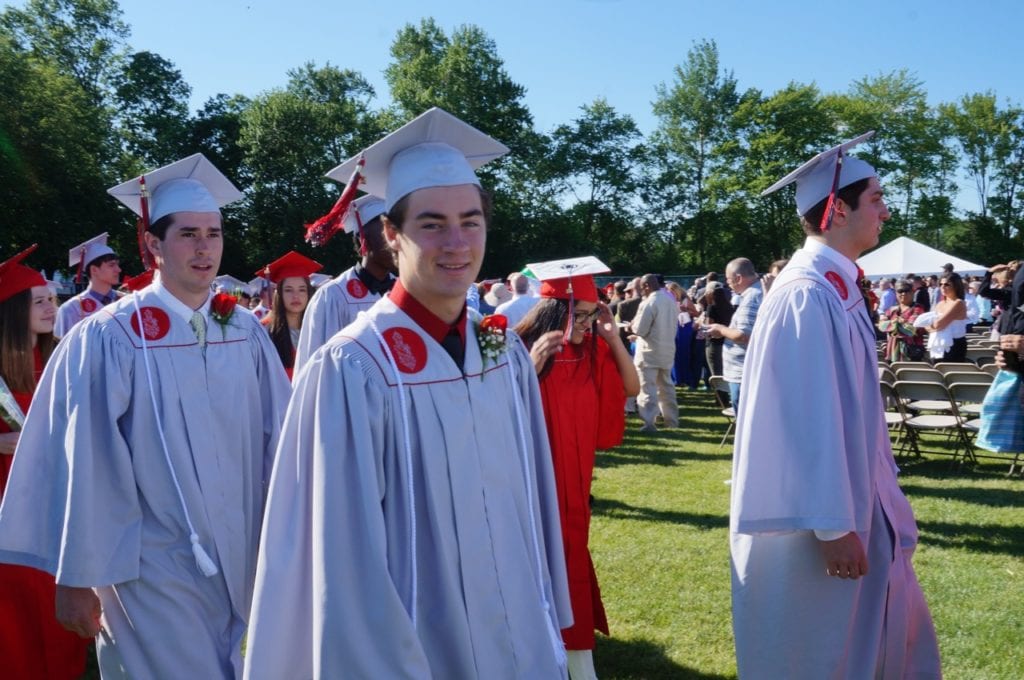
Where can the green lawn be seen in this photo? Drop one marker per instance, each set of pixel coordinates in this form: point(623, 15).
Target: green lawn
point(660, 544)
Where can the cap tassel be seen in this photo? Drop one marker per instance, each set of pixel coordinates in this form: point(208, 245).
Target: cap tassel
point(571, 321)
point(81, 266)
point(322, 230)
point(203, 561)
point(363, 250)
point(830, 207)
point(142, 226)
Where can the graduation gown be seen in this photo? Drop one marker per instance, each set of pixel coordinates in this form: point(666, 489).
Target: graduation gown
point(32, 644)
point(75, 309)
point(335, 579)
point(584, 409)
point(334, 306)
point(812, 453)
point(91, 500)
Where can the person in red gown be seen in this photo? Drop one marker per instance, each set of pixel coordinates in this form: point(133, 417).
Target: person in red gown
point(33, 646)
point(585, 376)
point(290, 273)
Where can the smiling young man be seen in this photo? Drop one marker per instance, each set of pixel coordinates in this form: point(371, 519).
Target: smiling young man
point(140, 480)
point(100, 264)
point(821, 534)
point(412, 524)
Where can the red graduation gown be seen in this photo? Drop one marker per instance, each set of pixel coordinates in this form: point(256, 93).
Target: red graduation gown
point(584, 408)
point(32, 644)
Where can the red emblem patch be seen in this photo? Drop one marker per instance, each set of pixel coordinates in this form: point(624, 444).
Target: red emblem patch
point(408, 349)
point(155, 323)
point(88, 305)
point(837, 281)
point(356, 289)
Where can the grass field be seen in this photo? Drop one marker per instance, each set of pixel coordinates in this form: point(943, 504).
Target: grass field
point(660, 544)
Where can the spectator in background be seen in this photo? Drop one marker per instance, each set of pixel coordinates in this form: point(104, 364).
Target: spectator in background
point(887, 297)
point(741, 275)
point(773, 271)
point(904, 341)
point(654, 330)
point(681, 368)
point(494, 297)
point(618, 295)
point(521, 303)
point(950, 321)
point(717, 311)
point(921, 297)
point(934, 291)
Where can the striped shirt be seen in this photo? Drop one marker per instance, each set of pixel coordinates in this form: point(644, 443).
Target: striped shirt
point(742, 320)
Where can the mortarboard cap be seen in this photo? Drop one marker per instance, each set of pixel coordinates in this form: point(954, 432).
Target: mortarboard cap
point(84, 253)
point(192, 184)
point(370, 207)
point(16, 277)
point(816, 179)
point(571, 278)
point(229, 284)
point(258, 284)
point(435, 149)
point(317, 280)
point(289, 265)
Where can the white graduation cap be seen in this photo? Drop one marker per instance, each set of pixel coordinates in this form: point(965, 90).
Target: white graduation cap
point(192, 184)
point(435, 149)
point(816, 179)
point(84, 253)
point(229, 284)
point(258, 284)
point(370, 207)
point(317, 280)
point(570, 279)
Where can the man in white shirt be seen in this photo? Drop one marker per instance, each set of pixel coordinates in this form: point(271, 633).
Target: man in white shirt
point(520, 304)
point(654, 329)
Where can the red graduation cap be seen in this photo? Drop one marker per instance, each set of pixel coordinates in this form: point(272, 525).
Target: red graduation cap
point(288, 265)
point(137, 283)
point(16, 277)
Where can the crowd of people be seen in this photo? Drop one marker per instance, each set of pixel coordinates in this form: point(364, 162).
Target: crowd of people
point(389, 474)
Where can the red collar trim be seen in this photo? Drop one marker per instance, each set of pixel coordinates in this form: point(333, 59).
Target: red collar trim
point(424, 318)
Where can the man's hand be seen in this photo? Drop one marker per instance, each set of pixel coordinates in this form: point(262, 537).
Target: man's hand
point(845, 556)
point(714, 331)
point(78, 610)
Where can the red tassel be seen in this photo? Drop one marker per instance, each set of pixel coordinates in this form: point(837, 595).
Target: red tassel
point(81, 265)
point(572, 316)
point(322, 230)
point(830, 207)
point(142, 226)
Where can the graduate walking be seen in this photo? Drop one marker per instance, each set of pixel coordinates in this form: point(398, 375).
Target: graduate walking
point(821, 534)
point(140, 473)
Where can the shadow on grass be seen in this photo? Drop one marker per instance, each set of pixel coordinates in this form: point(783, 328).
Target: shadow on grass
point(981, 538)
point(617, 659)
point(995, 498)
point(654, 453)
point(618, 510)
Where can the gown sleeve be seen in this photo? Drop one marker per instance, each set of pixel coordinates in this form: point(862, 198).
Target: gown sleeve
point(325, 604)
point(71, 506)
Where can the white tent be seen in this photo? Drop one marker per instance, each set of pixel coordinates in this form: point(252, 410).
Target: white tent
point(907, 256)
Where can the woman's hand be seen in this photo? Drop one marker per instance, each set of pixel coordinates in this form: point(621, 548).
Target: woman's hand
point(8, 442)
point(544, 348)
point(606, 326)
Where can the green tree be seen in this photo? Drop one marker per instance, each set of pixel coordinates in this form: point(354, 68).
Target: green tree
point(152, 104)
point(290, 137)
point(597, 161)
point(84, 38)
point(215, 131)
point(695, 114)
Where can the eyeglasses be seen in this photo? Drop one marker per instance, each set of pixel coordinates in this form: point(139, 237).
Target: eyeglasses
point(945, 284)
point(585, 318)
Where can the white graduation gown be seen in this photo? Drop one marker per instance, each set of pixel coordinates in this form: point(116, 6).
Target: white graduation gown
point(334, 306)
point(73, 310)
point(813, 453)
point(90, 498)
point(334, 582)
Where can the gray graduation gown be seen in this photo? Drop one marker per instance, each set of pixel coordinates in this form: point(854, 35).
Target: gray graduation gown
point(334, 583)
point(90, 498)
point(813, 453)
point(334, 306)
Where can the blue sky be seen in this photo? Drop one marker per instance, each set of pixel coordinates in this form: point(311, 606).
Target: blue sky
point(568, 52)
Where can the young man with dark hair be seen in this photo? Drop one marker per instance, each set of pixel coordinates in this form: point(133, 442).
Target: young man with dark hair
point(337, 303)
point(102, 268)
point(821, 534)
point(140, 482)
point(412, 525)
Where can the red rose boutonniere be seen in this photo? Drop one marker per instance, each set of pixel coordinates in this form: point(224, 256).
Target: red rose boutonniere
point(222, 307)
point(490, 335)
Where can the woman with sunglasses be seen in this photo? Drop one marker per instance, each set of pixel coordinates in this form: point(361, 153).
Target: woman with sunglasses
point(903, 342)
point(585, 376)
point(951, 316)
